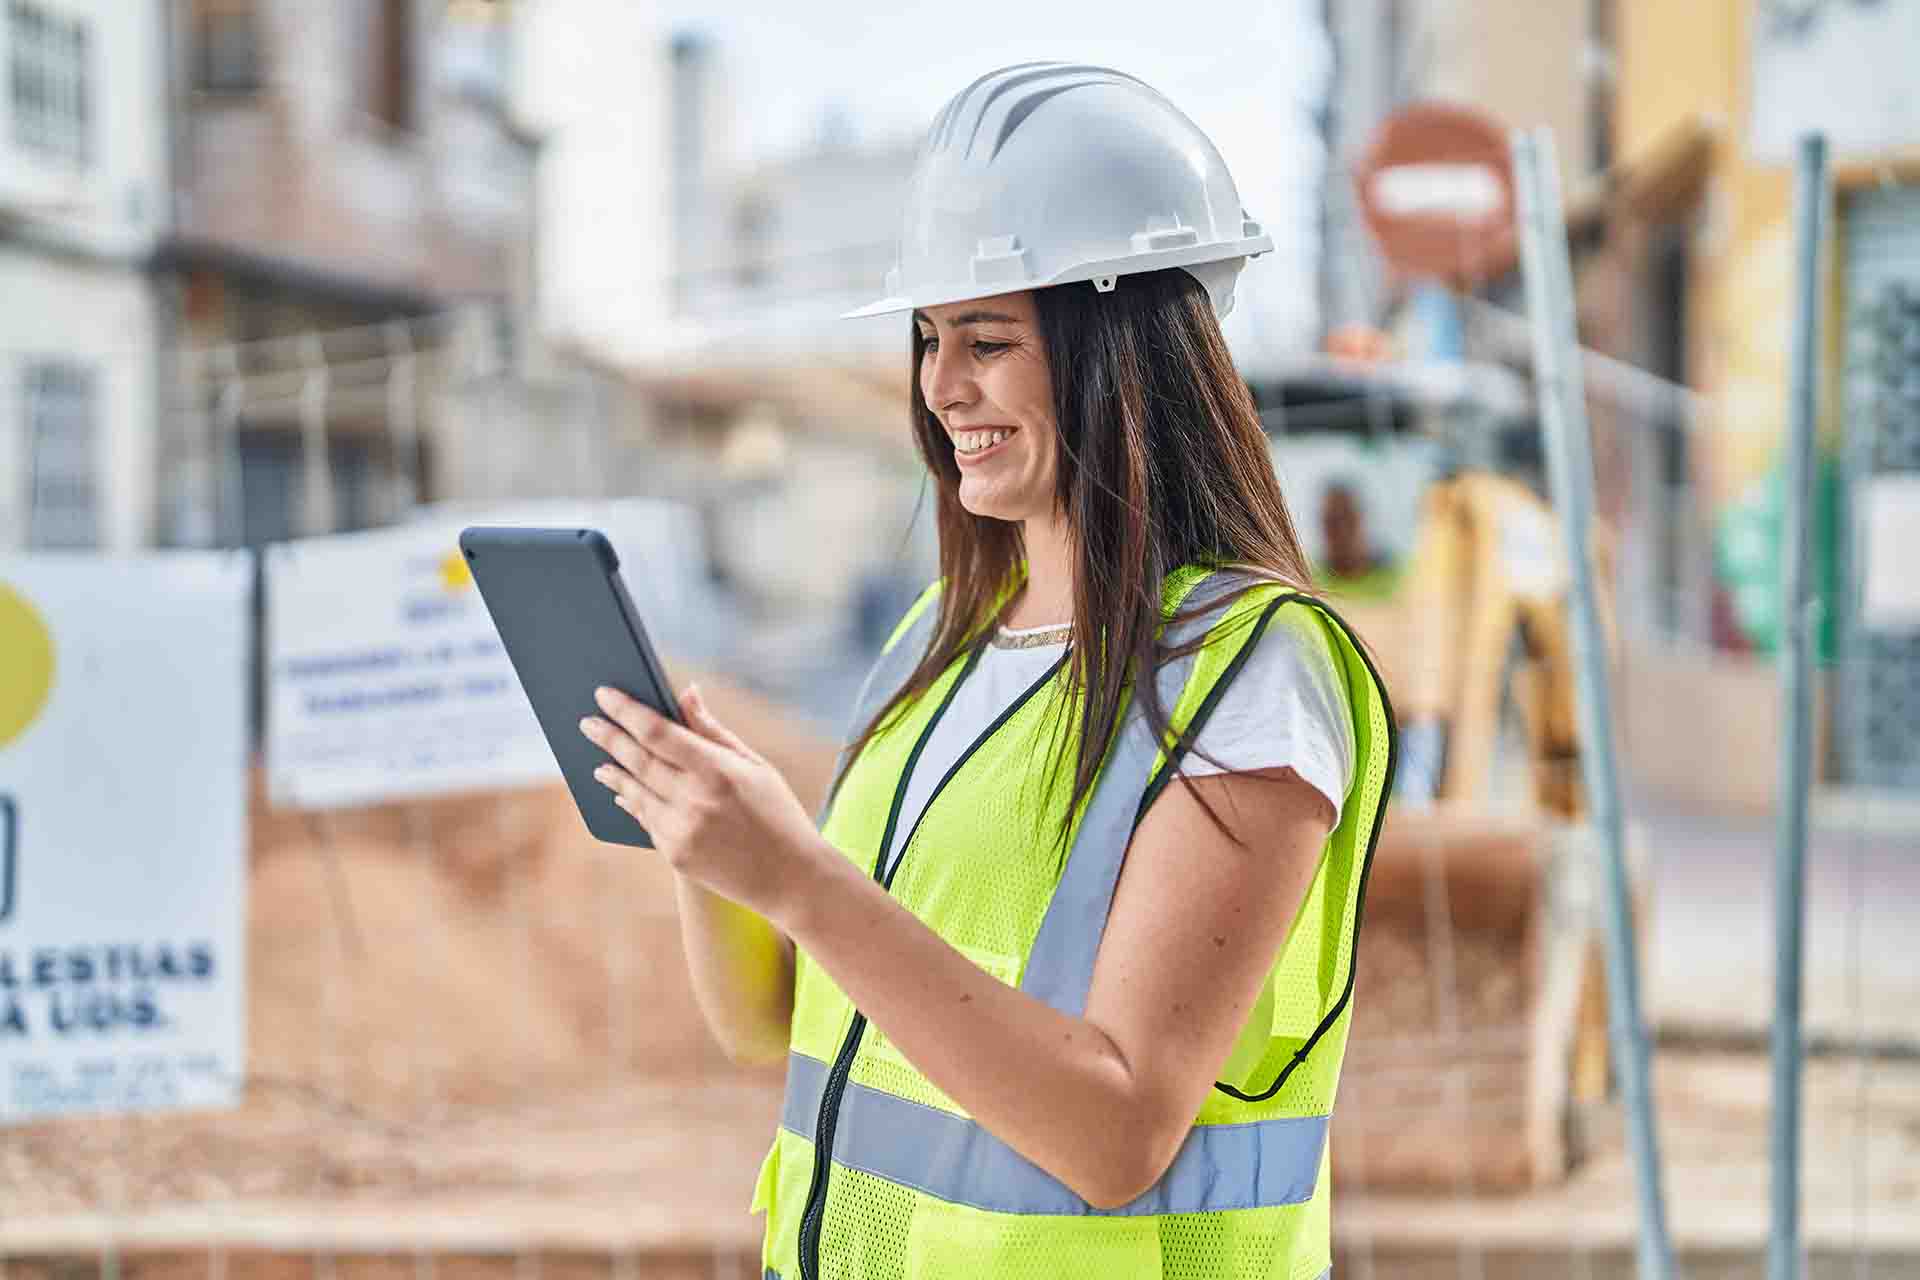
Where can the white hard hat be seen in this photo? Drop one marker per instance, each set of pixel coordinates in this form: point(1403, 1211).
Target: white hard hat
point(1049, 172)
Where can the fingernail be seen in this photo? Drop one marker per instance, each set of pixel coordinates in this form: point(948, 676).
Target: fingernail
point(586, 725)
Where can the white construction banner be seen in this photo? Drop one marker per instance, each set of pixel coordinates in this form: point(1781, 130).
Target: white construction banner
point(123, 831)
point(385, 677)
point(1889, 533)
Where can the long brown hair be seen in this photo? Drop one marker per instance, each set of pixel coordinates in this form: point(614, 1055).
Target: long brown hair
point(1162, 463)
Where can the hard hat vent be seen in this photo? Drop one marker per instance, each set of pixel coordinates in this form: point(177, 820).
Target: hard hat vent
point(1012, 94)
point(999, 260)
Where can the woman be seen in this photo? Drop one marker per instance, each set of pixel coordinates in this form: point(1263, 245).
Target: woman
point(1062, 977)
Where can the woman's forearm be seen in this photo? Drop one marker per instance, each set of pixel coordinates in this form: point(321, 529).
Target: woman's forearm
point(1052, 1086)
point(742, 971)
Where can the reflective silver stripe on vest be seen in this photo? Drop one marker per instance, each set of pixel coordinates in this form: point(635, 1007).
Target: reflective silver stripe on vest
point(1060, 966)
point(889, 671)
point(1219, 1166)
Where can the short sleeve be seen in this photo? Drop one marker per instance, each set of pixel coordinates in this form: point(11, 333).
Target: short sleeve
point(1288, 707)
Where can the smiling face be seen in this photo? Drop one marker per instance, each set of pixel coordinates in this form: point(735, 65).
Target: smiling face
point(985, 378)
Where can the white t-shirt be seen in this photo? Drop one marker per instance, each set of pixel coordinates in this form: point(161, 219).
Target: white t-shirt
point(1287, 707)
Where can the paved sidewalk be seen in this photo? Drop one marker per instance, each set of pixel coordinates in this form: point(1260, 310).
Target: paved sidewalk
point(1710, 953)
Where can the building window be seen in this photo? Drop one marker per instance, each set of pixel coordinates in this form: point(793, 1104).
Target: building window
point(470, 51)
point(60, 406)
point(753, 219)
point(273, 465)
point(47, 82)
point(391, 97)
point(229, 50)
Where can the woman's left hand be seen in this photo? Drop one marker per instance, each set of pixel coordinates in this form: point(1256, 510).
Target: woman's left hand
point(716, 810)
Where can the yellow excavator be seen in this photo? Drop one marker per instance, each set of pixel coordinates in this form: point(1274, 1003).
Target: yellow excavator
point(1470, 625)
point(1487, 695)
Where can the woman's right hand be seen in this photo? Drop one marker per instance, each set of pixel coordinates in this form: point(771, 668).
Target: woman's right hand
point(702, 721)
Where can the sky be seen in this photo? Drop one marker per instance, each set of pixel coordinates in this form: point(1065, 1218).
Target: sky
point(1249, 74)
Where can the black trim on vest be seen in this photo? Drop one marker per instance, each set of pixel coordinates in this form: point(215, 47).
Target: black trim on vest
point(1200, 715)
point(1203, 713)
point(813, 1216)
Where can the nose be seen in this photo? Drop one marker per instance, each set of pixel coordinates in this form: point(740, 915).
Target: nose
point(946, 380)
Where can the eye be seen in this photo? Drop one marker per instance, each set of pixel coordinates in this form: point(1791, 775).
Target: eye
point(929, 343)
point(988, 349)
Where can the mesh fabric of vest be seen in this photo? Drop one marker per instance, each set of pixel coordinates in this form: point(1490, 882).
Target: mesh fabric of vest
point(980, 868)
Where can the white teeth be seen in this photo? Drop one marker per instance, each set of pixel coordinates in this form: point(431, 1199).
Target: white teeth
point(975, 441)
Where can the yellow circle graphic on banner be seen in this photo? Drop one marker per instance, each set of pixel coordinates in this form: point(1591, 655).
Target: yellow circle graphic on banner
point(26, 664)
point(454, 573)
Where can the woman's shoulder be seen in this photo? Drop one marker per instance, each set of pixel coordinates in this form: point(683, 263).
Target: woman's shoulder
point(1290, 655)
point(1280, 696)
point(1286, 634)
point(915, 612)
point(1228, 599)
point(1241, 595)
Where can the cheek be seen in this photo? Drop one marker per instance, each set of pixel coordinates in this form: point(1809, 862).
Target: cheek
point(1046, 436)
point(1031, 398)
point(1047, 455)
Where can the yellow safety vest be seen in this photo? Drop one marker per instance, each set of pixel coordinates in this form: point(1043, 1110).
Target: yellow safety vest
point(875, 1173)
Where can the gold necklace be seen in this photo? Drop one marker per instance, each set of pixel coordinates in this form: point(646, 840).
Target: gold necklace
point(1032, 639)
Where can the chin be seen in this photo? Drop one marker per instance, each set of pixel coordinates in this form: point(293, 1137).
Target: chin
point(990, 512)
point(994, 506)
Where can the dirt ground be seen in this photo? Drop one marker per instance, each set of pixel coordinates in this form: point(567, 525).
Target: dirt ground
point(644, 1172)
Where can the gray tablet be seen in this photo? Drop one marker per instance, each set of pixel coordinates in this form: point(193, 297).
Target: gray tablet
point(569, 627)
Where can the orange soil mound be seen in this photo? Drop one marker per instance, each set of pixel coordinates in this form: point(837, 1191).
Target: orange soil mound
point(469, 995)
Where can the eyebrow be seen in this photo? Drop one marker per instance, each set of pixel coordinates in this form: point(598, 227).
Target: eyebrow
point(971, 317)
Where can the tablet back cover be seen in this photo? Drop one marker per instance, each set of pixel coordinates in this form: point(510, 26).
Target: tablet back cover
point(556, 600)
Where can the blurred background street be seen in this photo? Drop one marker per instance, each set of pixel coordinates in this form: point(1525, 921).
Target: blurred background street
point(292, 290)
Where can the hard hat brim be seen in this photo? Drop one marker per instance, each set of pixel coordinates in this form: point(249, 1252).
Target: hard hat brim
point(1130, 264)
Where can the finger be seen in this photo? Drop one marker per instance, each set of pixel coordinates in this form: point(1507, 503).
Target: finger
point(631, 786)
point(636, 809)
point(632, 795)
point(701, 718)
point(628, 753)
point(661, 737)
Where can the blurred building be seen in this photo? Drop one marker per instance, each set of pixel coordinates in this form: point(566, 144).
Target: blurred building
point(270, 266)
point(341, 161)
point(1750, 78)
point(590, 79)
point(1675, 137)
point(776, 414)
point(345, 174)
point(1522, 62)
point(769, 251)
point(84, 198)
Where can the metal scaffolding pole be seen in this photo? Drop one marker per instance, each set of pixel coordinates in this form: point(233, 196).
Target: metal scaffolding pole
point(316, 462)
point(1796, 694)
point(1563, 422)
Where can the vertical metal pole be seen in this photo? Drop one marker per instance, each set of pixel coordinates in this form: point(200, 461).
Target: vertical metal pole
point(231, 488)
point(403, 423)
point(1796, 694)
point(316, 467)
point(1563, 422)
point(194, 504)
